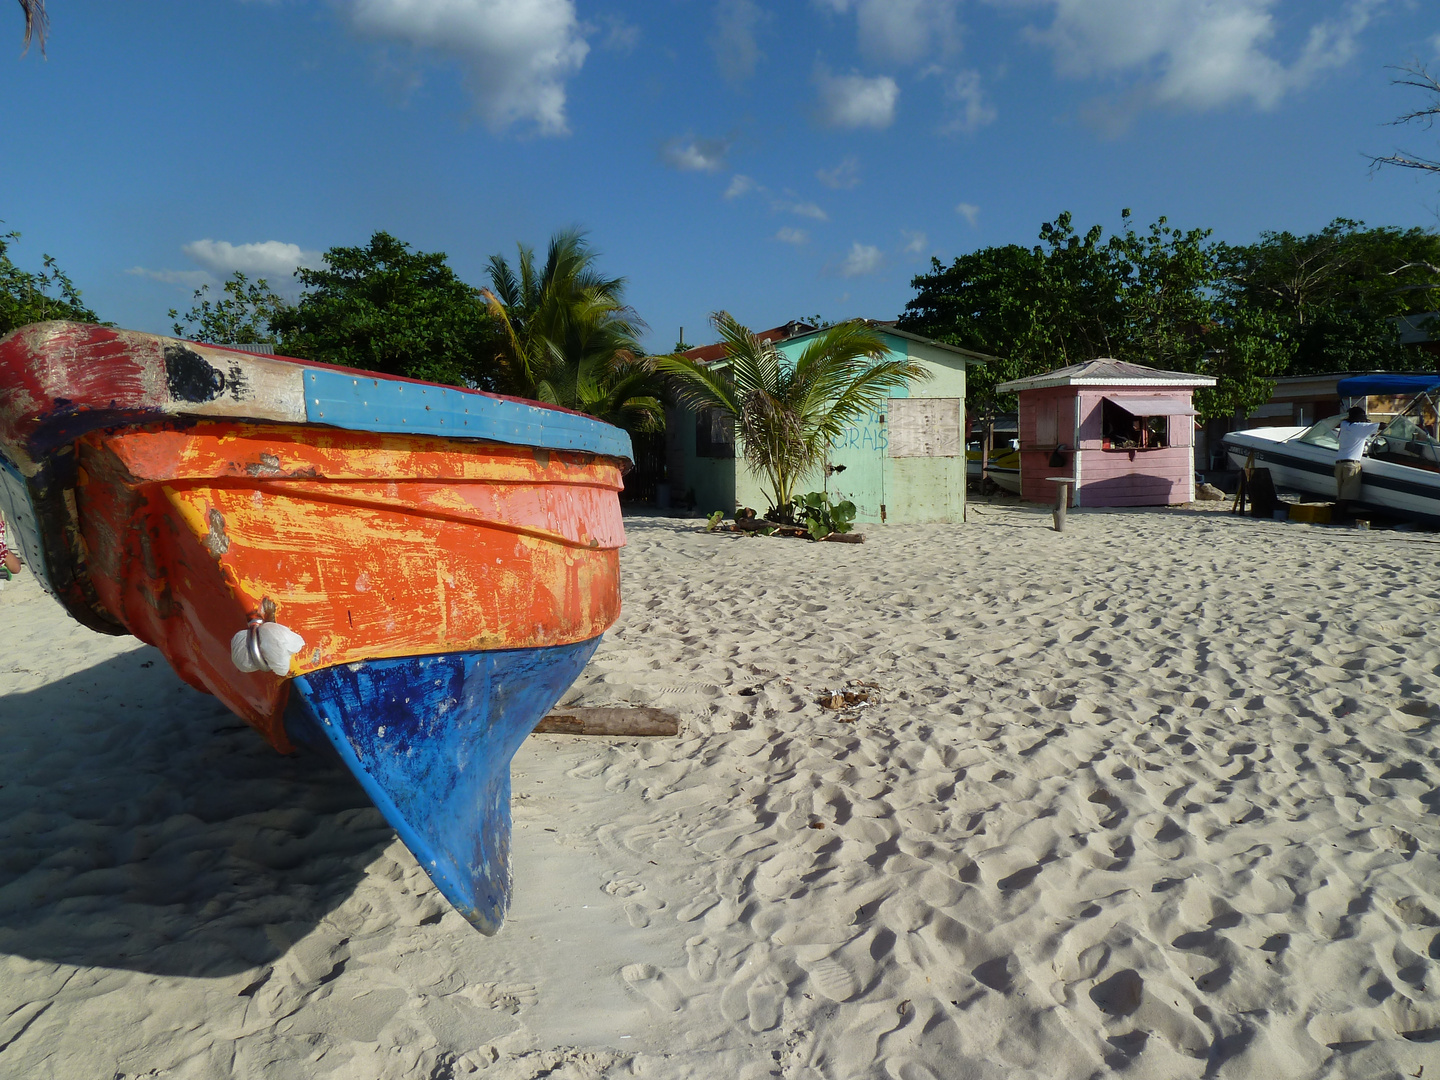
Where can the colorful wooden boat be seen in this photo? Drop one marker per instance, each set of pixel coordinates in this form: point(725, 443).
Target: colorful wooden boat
point(408, 575)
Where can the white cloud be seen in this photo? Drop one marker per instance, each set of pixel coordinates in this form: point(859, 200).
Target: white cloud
point(853, 101)
point(915, 242)
point(862, 259)
point(695, 155)
point(272, 259)
point(969, 211)
point(842, 177)
point(516, 54)
point(788, 235)
point(1197, 54)
point(970, 110)
point(740, 185)
point(191, 279)
point(736, 52)
point(901, 31)
point(799, 209)
point(620, 36)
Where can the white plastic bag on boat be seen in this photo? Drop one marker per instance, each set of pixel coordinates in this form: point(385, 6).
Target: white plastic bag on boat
point(265, 645)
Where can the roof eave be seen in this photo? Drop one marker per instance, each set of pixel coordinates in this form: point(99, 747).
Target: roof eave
point(1016, 385)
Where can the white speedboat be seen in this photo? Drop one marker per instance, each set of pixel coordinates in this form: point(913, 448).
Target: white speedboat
point(1400, 474)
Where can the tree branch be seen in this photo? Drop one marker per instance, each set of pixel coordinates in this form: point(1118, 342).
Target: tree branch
point(1417, 77)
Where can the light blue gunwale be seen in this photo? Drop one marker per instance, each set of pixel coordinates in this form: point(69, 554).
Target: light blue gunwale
point(358, 403)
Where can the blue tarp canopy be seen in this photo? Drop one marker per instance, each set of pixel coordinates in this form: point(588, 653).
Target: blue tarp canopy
point(1365, 385)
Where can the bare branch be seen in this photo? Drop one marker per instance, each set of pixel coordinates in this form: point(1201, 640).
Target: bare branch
point(1407, 162)
point(1416, 76)
point(37, 23)
point(1428, 266)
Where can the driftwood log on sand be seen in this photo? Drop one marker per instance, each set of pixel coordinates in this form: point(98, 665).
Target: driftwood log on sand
point(609, 721)
point(751, 525)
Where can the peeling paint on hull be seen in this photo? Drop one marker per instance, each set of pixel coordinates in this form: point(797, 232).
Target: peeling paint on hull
point(447, 589)
point(430, 738)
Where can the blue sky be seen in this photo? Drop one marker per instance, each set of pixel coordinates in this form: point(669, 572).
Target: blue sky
point(773, 159)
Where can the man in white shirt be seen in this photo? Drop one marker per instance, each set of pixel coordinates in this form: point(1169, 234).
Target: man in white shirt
point(1355, 433)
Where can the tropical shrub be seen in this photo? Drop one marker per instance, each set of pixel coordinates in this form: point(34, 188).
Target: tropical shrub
point(822, 517)
point(568, 338)
point(787, 412)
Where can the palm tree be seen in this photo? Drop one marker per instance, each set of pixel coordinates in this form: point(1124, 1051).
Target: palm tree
point(37, 23)
point(786, 414)
point(568, 338)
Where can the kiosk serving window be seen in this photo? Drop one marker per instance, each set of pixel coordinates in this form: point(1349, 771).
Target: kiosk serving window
point(1136, 423)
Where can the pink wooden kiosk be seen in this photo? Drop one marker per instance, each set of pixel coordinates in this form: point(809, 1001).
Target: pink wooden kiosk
point(1124, 433)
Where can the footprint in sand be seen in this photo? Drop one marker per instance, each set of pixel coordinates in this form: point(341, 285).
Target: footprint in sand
point(624, 888)
point(654, 985)
point(701, 956)
point(638, 915)
point(764, 998)
point(507, 997)
point(587, 770)
point(909, 1070)
point(833, 979)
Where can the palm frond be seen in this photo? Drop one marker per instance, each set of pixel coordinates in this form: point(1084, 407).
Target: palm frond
point(37, 23)
point(699, 386)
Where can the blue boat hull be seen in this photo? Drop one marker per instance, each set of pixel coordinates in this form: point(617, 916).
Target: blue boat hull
point(430, 739)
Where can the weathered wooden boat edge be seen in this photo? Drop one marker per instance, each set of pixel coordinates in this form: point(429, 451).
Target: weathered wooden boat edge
point(455, 820)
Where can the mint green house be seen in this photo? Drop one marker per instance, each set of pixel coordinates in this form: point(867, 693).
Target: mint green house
point(903, 464)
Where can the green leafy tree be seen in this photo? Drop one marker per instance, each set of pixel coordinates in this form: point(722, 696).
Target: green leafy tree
point(27, 297)
point(989, 301)
point(1144, 297)
point(1250, 349)
point(1337, 293)
point(787, 413)
point(1167, 294)
point(244, 315)
point(568, 338)
point(386, 307)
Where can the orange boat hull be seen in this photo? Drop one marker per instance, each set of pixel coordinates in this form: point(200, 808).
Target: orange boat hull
point(369, 546)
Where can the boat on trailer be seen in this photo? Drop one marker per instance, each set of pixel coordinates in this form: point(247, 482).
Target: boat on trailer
point(1400, 473)
point(403, 574)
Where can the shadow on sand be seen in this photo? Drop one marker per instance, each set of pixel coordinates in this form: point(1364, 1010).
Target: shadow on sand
point(143, 826)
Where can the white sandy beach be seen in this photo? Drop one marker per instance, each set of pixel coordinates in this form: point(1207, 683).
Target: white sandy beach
point(1154, 797)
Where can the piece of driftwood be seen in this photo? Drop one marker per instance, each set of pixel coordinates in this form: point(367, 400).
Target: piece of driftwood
point(751, 525)
point(609, 721)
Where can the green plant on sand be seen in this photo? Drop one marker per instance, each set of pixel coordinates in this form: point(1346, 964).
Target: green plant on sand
point(786, 413)
point(822, 517)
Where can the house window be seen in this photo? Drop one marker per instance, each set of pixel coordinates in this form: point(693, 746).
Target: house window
point(1122, 429)
point(714, 434)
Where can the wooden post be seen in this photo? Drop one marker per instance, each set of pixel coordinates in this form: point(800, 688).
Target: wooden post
point(1238, 506)
point(1062, 499)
